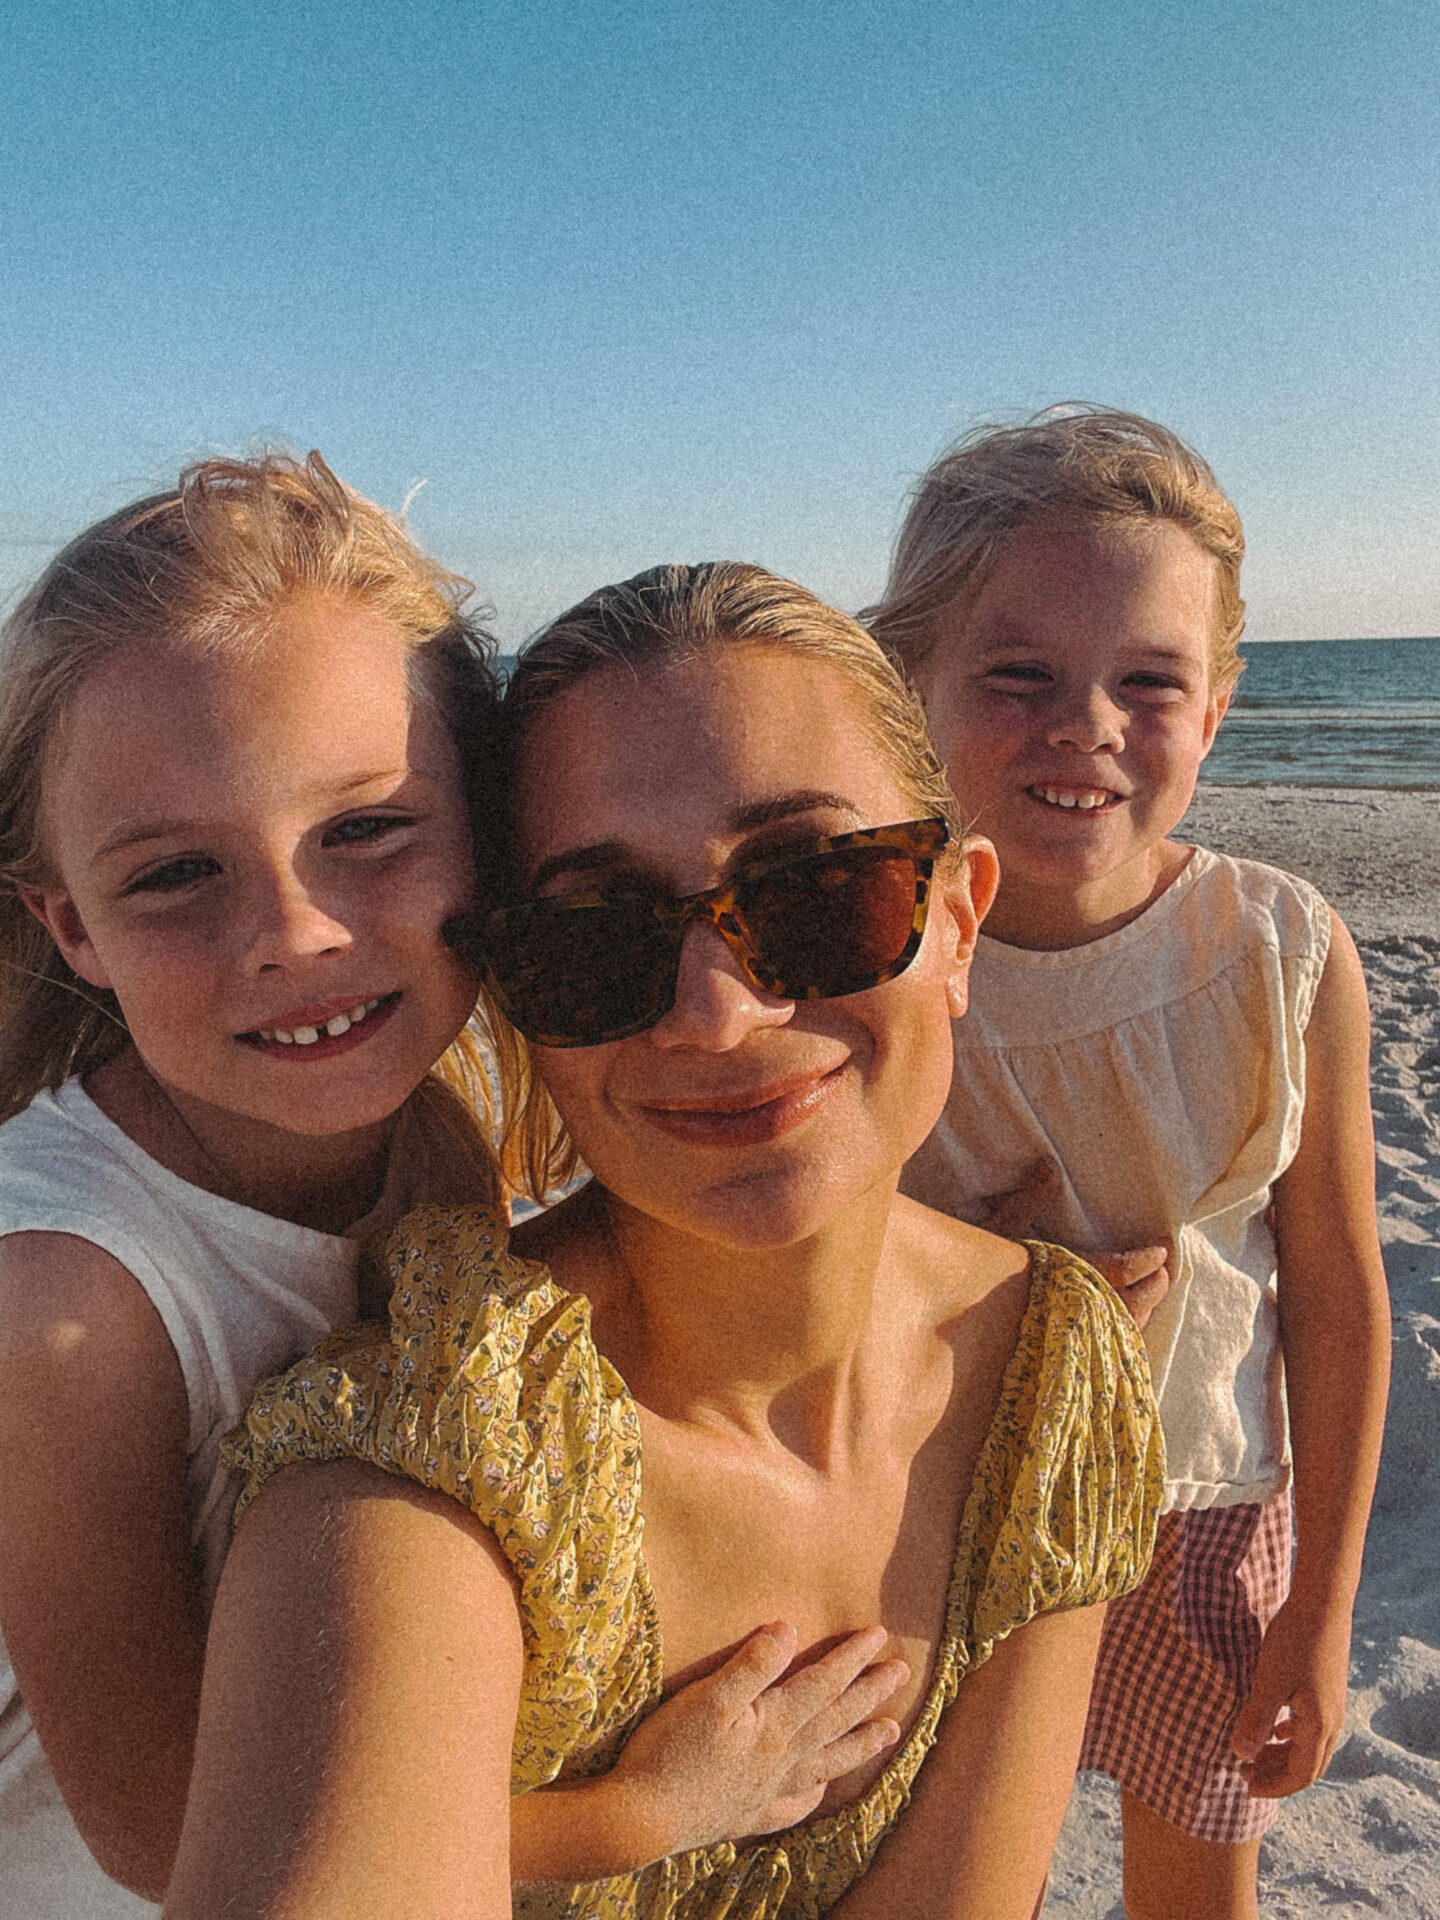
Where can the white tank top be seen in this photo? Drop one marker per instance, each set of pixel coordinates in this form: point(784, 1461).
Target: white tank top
point(1163, 1068)
point(240, 1295)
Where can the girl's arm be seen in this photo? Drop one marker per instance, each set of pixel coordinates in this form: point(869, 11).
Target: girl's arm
point(359, 1711)
point(353, 1754)
point(1335, 1331)
point(743, 1751)
point(976, 1839)
point(359, 1707)
point(99, 1599)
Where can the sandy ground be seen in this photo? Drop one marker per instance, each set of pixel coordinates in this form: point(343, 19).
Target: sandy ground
point(1374, 854)
point(1365, 1840)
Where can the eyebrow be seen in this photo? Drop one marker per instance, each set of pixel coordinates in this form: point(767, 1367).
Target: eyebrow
point(127, 837)
point(1010, 640)
point(751, 819)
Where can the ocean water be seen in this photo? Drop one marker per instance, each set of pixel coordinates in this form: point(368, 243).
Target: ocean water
point(1329, 713)
point(1333, 713)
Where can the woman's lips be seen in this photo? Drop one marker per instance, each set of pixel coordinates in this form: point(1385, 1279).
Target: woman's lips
point(747, 1118)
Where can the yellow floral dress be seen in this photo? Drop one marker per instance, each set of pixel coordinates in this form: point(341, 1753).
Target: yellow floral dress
point(488, 1386)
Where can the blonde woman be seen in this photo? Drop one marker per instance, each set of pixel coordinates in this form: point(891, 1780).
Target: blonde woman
point(737, 918)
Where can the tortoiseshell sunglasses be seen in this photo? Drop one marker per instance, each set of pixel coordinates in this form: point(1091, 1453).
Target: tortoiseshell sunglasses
point(837, 915)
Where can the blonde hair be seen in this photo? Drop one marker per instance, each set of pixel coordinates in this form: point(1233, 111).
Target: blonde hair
point(1071, 462)
point(204, 568)
point(657, 620)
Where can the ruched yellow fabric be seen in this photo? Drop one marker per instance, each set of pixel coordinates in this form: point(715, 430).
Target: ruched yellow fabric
point(488, 1386)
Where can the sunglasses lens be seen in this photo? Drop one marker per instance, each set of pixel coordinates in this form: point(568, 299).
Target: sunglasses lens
point(585, 969)
point(833, 924)
point(573, 976)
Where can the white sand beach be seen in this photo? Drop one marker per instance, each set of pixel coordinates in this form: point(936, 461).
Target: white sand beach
point(1365, 1841)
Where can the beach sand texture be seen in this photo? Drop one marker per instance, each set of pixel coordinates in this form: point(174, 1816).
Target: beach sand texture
point(1365, 1841)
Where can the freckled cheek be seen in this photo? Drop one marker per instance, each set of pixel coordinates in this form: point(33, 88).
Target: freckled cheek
point(427, 895)
point(976, 758)
point(170, 1000)
point(403, 913)
point(576, 1081)
point(162, 963)
point(600, 1113)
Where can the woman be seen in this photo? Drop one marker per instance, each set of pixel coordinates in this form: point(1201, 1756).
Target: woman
point(737, 975)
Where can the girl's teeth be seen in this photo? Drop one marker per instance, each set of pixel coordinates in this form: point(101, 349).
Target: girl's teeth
point(1085, 801)
point(339, 1023)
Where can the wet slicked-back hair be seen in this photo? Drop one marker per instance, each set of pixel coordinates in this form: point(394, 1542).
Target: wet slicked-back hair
point(205, 568)
point(657, 620)
point(674, 613)
point(1086, 464)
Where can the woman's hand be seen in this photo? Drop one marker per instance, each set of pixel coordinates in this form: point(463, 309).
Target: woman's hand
point(746, 1751)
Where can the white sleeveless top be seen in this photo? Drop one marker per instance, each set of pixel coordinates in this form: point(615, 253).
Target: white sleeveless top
point(240, 1294)
point(1163, 1069)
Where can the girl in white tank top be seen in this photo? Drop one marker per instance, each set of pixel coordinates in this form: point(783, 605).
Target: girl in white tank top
point(232, 827)
point(233, 1042)
point(1167, 1047)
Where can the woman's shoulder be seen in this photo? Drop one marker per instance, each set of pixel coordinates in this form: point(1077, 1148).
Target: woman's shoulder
point(1056, 1303)
point(1068, 1481)
point(957, 1266)
point(1068, 1489)
point(485, 1384)
point(1069, 1368)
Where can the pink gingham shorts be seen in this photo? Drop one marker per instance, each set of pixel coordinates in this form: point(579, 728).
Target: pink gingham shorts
point(1177, 1660)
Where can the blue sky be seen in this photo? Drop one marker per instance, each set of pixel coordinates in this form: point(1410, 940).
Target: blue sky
point(633, 282)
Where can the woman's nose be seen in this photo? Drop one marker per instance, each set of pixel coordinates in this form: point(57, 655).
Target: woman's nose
point(287, 924)
point(717, 1005)
point(1089, 719)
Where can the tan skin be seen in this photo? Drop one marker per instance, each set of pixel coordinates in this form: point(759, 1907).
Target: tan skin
point(763, 1292)
point(239, 844)
point(1081, 669)
point(304, 839)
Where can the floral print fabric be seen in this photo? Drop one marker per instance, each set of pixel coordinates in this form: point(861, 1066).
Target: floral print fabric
point(488, 1386)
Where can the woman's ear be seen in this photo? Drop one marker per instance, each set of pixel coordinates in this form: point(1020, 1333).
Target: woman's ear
point(60, 917)
point(969, 893)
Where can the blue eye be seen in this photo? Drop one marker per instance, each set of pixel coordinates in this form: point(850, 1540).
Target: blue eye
point(172, 875)
point(1017, 679)
point(361, 827)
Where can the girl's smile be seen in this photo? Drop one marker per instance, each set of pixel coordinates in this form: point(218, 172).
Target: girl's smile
point(1072, 702)
point(256, 849)
point(317, 1034)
